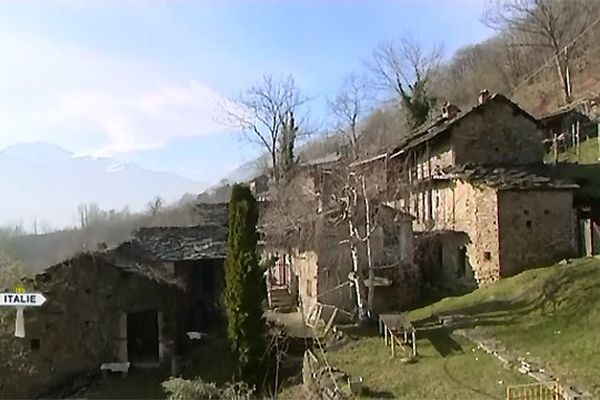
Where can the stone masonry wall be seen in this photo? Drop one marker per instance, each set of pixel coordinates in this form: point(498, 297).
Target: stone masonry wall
point(536, 228)
point(473, 211)
point(83, 323)
point(497, 135)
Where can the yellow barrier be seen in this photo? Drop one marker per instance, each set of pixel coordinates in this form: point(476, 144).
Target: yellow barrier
point(534, 391)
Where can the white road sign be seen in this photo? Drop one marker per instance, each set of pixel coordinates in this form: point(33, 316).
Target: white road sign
point(22, 299)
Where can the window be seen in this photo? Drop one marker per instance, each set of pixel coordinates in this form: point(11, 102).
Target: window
point(308, 287)
point(526, 212)
point(546, 212)
point(462, 262)
point(34, 344)
point(487, 256)
point(528, 224)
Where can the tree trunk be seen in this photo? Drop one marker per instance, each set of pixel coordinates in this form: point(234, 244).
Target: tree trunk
point(274, 173)
point(371, 292)
point(357, 278)
point(562, 66)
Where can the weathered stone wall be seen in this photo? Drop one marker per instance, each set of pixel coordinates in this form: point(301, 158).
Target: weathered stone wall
point(462, 207)
point(497, 135)
point(536, 228)
point(83, 322)
point(304, 266)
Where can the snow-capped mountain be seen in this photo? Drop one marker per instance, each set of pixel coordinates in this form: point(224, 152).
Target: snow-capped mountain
point(46, 183)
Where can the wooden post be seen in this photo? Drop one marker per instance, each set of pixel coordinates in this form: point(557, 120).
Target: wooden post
point(385, 333)
point(393, 344)
point(588, 237)
point(577, 139)
point(598, 133)
point(555, 147)
point(414, 343)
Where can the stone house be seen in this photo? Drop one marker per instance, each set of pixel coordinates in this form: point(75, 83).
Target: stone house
point(315, 264)
point(322, 270)
point(132, 303)
point(484, 204)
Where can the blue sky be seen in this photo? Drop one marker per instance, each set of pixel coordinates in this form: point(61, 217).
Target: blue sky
point(143, 81)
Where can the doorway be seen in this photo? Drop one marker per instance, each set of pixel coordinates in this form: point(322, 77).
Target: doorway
point(142, 336)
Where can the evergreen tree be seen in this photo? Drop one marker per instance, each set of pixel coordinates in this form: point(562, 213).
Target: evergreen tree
point(287, 139)
point(417, 102)
point(244, 288)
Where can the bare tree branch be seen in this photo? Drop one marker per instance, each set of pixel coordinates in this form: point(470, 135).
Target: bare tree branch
point(260, 112)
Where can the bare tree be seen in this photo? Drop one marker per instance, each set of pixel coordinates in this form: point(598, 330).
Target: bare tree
point(349, 107)
point(549, 24)
point(155, 206)
point(405, 67)
point(262, 110)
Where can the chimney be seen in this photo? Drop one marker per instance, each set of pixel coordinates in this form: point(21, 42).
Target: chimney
point(449, 111)
point(484, 96)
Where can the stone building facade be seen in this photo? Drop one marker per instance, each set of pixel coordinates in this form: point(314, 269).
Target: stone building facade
point(494, 222)
point(463, 176)
point(133, 303)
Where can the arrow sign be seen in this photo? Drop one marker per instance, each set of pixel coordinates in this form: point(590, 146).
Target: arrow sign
point(22, 299)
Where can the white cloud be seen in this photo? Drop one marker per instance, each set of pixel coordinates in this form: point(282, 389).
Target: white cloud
point(90, 101)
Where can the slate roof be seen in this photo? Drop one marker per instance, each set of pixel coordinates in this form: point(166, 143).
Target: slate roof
point(124, 257)
point(507, 177)
point(182, 243)
point(443, 125)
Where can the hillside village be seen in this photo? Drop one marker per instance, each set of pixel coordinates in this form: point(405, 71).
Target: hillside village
point(456, 204)
point(455, 257)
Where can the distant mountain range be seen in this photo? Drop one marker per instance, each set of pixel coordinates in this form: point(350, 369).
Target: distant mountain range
point(46, 183)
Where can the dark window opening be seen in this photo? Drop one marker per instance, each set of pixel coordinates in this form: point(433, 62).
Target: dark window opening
point(34, 344)
point(487, 255)
point(208, 279)
point(88, 291)
point(526, 212)
point(546, 211)
point(528, 224)
point(462, 262)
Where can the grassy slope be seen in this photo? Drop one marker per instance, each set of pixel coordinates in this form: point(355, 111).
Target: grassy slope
point(448, 368)
point(553, 313)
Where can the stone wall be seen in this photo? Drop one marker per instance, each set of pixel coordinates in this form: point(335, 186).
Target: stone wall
point(536, 228)
point(497, 134)
point(83, 323)
point(472, 211)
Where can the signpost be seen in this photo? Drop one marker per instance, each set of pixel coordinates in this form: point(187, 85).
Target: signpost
point(21, 299)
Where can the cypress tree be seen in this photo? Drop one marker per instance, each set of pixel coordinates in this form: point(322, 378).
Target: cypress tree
point(287, 139)
point(244, 288)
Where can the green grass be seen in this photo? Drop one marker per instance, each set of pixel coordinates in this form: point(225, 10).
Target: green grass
point(551, 313)
point(448, 368)
point(548, 314)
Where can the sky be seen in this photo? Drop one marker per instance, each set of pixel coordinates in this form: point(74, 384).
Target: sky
point(146, 81)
